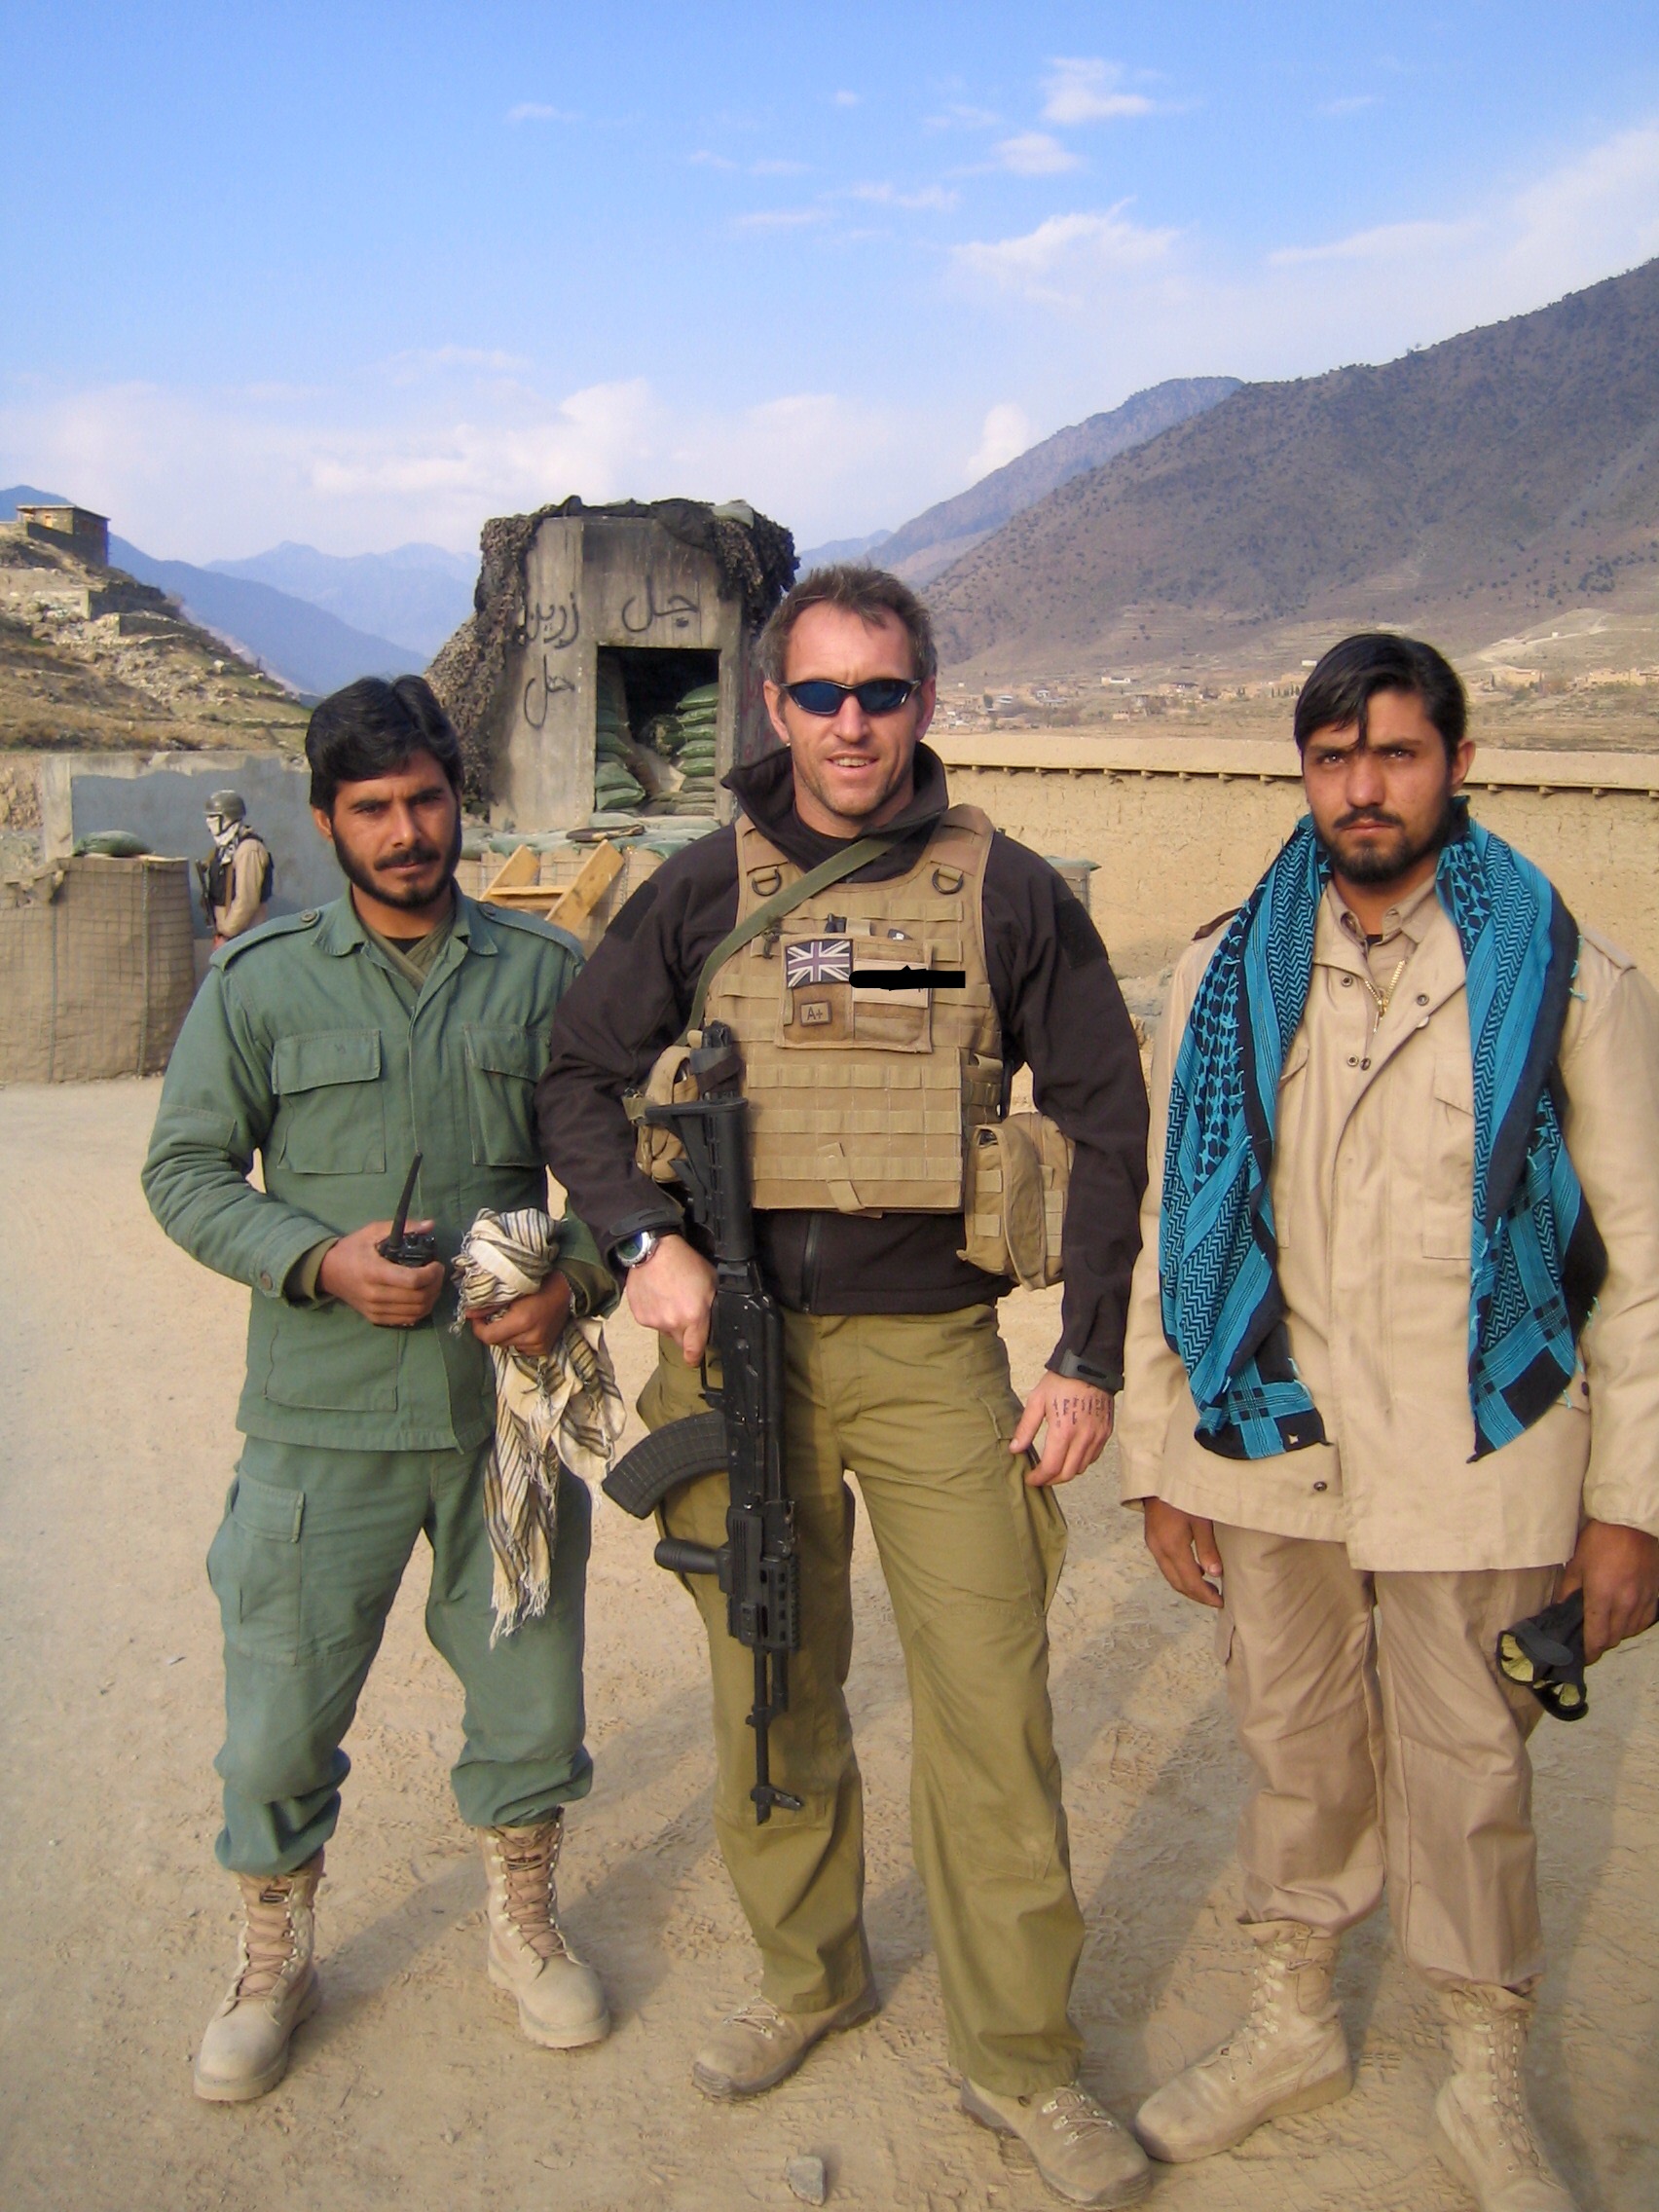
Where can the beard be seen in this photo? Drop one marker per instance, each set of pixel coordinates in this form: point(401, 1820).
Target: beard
point(1375, 863)
point(389, 891)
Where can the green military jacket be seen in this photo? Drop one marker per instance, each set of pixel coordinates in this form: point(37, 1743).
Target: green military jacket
point(303, 1047)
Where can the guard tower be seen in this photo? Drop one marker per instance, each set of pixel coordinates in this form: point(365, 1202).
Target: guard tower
point(610, 668)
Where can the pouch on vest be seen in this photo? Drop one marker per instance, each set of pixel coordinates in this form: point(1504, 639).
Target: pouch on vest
point(1014, 1206)
point(669, 1084)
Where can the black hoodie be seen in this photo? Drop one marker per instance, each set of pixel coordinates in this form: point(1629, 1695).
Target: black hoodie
point(1061, 1014)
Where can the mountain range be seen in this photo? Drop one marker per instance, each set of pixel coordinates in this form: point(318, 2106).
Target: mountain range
point(1461, 490)
point(302, 644)
point(415, 594)
point(932, 541)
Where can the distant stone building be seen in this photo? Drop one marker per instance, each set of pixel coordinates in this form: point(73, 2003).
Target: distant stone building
point(87, 534)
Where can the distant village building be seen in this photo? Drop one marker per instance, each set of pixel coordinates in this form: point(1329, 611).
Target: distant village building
point(87, 534)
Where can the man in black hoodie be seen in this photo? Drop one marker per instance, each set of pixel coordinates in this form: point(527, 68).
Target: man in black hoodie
point(864, 1107)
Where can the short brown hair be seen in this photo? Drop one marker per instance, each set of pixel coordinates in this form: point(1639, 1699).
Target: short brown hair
point(870, 593)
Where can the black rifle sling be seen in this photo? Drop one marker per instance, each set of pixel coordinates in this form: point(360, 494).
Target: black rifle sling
point(792, 894)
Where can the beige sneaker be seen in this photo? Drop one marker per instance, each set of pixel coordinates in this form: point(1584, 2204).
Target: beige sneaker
point(1485, 2134)
point(1077, 2145)
point(758, 2045)
point(1287, 2054)
point(245, 2051)
point(560, 2005)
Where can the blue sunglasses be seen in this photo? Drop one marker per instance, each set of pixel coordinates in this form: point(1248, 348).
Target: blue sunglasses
point(879, 695)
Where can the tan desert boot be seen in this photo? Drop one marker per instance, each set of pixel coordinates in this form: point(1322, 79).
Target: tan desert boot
point(1486, 2135)
point(1075, 2145)
point(560, 2005)
point(758, 2045)
point(245, 2051)
point(1287, 2054)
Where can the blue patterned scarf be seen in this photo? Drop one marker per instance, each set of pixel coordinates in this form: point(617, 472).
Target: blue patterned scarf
point(1536, 1260)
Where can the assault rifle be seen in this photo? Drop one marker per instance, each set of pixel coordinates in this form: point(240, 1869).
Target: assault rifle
point(757, 1567)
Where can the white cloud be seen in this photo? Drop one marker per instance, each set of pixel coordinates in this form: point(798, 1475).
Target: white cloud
point(533, 111)
point(779, 218)
point(1388, 242)
point(1082, 90)
point(846, 99)
point(1034, 153)
point(1004, 436)
point(1063, 259)
point(1349, 104)
point(421, 361)
point(959, 115)
point(216, 474)
point(1612, 192)
point(1145, 304)
point(778, 168)
point(702, 159)
point(938, 197)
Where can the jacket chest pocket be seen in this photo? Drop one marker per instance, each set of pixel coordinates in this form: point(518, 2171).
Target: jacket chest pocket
point(331, 1114)
point(502, 1066)
point(1448, 1169)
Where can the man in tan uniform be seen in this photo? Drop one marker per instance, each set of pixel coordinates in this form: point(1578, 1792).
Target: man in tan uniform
point(867, 1104)
point(237, 880)
point(1417, 1384)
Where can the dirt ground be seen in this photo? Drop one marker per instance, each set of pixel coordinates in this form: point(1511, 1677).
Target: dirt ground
point(119, 1375)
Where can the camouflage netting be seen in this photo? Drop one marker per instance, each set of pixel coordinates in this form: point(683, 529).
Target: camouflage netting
point(755, 558)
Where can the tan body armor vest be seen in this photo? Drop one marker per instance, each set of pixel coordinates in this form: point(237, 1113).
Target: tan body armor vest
point(864, 1099)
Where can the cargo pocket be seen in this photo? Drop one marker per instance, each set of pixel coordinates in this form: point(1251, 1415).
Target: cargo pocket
point(1040, 1534)
point(253, 1566)
point(330, 1113)
point(502, 1066)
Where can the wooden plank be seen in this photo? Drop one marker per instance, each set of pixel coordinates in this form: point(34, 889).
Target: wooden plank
point(535, 897)
point(521, 866)
point(599, 871)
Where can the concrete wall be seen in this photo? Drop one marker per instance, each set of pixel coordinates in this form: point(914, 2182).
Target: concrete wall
point(1183, 827)
point(593, 582)
point(162, 799)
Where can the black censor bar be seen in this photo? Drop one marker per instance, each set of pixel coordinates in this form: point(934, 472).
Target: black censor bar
point(910, 978)
point(758, 1569)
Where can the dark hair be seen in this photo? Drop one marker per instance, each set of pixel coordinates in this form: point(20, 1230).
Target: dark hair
point(1342, 687)
point(858, 590)
point(372, 727)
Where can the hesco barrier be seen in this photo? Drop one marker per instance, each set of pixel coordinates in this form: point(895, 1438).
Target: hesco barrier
point(97, 973)
point(1180, 827)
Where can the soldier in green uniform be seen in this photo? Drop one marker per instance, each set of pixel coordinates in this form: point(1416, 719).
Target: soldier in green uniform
point(335, 1045)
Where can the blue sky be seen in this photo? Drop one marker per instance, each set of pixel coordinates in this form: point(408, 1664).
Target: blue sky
point(362, 275)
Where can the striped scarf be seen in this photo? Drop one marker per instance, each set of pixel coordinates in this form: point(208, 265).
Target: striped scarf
point(563, 1407)
point(1536, 1260)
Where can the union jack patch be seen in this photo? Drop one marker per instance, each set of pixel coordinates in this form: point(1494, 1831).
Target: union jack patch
point(817, 960)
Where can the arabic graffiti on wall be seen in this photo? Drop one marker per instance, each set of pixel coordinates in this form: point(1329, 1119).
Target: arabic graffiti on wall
point(557, 627)
point(643, 611)
point(553, 629)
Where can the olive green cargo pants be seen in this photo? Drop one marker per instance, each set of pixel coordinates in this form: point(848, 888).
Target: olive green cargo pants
point(306, 1565)
point(919, 1407)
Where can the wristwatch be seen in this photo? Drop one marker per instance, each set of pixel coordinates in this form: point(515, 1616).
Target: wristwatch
point(632, 1250)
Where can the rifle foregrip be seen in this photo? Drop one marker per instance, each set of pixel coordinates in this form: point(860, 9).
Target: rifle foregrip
point(678, 1453)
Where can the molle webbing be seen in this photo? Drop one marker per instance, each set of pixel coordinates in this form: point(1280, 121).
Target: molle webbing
point(782, 902)
point(862, 1096)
